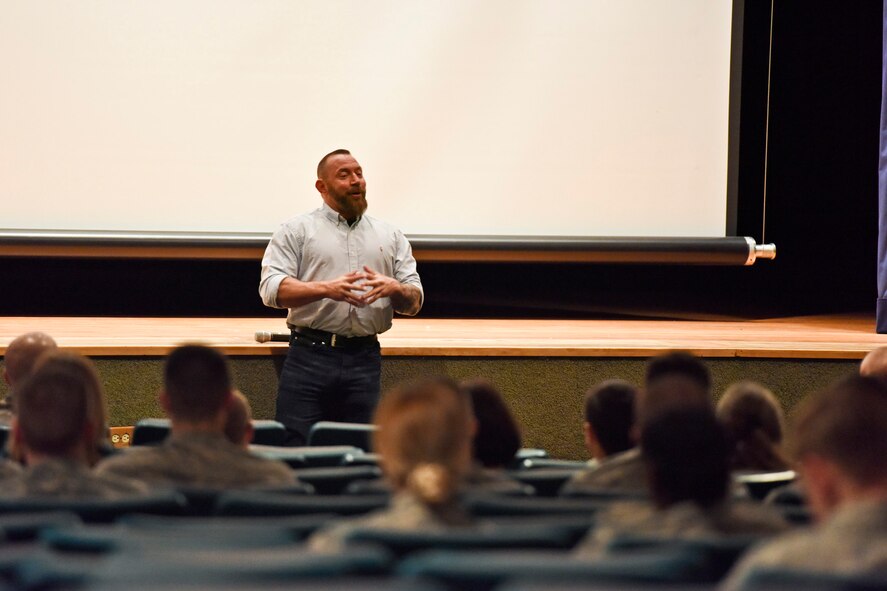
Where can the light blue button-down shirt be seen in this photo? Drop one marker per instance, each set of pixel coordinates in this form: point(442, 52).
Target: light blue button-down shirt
point(320, 246)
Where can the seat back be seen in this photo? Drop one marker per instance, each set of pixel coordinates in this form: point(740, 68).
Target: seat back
point(265, 504)
point(480, 570)
point(326, 433)
point(101, 510)
point(268, 432)
point(760, 484)
point(150, 431)
point(527, 535)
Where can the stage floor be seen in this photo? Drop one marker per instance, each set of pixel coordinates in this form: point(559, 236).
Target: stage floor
point(813, 337)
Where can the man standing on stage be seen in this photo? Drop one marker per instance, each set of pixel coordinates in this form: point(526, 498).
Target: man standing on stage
point(342, 274)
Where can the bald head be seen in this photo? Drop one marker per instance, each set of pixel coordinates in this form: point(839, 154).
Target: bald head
point(239, 424)
point(874, 365)
point(22, 353)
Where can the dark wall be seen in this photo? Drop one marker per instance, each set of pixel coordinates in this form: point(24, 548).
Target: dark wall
point(821, 206)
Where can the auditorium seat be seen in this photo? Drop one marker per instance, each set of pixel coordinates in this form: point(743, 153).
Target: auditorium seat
point(514, 535)
point(716, 554)
point(202, 500)
point(151, 431)
point(482, 505)
point(101, 510)
point(326, 433)
point(546, 481)
point(760, 484)
point(481, 570)
point(783, 579)
point(147, 533)
point(334, 480)
point(535, 463)
point(209, 567)
point(302, 457)
point(23, 527)
point(265, 504)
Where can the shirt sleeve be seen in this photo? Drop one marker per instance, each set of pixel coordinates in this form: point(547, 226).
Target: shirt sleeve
point(282, 259)
point(405, 265)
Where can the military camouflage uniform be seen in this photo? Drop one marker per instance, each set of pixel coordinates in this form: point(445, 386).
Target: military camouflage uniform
point(406, 513)
point(198, 459)
point(685, 520)
point(8, 469)
point(853, 541)
point(65, 479)
point(623, 472)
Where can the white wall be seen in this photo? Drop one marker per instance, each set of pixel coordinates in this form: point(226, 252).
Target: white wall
point(528, 117)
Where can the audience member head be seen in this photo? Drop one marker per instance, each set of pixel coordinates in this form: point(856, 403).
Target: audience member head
point(839, 440)
point(678, 363)
point(55, 414)
point(239, 424)
point(874, 365)
point(754, 422)
point(424, 438)
point(97, 403)
point(673, 380)
point(498, 437)
point(22, 353)
point(609, 416)
point(686, 456)
point(196, 387)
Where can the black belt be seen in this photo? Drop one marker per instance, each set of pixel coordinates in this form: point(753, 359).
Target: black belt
point(322, 337)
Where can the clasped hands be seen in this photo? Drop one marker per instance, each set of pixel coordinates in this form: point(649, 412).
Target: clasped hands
point(362, 288)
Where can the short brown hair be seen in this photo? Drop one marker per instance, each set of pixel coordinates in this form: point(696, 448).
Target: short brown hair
point(609, 409)
point(847, 424)
point(498, 436)
point(53, 409)
point(322, 163)
point(197, 382)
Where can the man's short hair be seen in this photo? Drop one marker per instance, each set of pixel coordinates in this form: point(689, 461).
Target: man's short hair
point(609, 409)
point(52, 407)
point(748, 407)
point(847, 424)
point(673, 380)
point(498, 437)
point(322, 163)
point(686, 455)
point(23, 352)
point(197, 382)
point(678, 363)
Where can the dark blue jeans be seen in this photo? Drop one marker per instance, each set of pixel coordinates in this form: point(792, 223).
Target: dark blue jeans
point(322, 383)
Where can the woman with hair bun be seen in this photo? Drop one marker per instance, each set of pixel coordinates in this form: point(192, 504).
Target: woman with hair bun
point(424, 436)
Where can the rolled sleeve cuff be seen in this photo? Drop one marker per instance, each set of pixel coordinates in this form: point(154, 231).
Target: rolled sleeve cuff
point(269, 289)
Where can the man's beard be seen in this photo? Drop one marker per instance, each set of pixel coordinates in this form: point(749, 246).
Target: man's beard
point(350, 205)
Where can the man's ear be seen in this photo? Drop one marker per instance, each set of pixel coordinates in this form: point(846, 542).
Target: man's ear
point(592, 445)
point(822, 480)
point(16, 432)
point(320, 186)
point(163, 399)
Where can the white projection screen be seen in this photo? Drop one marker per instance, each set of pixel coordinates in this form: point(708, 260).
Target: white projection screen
point(470, 117)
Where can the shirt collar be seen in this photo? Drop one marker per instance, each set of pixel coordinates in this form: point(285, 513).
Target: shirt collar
point(334, 216)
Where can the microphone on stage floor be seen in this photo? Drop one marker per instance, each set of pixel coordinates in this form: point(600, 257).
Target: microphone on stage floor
point(276, 337)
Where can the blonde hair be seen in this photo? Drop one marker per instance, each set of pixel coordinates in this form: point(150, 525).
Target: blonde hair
point(424, 437)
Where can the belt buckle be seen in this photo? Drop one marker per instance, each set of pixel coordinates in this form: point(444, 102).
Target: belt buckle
point(333, 340)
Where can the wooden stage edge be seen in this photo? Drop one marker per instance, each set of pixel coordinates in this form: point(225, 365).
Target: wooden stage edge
point(808, 337)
